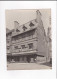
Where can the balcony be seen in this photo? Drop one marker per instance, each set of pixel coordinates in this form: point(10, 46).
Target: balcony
point(26, 53)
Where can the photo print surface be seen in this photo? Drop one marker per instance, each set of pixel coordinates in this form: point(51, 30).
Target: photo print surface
point(28, 39)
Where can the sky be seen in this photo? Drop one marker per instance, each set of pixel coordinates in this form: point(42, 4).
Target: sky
point(24, 16)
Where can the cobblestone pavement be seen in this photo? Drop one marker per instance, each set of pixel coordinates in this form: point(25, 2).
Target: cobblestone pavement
point(26, 66)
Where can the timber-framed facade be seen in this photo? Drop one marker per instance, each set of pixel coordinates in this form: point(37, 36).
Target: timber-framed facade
point(28, 41)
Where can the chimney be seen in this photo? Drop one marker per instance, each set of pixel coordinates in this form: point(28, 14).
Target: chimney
point(16, 25)
point(38, 16)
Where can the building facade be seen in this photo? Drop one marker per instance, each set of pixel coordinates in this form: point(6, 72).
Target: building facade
point(28, 41)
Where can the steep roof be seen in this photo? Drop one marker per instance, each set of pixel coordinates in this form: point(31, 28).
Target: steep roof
point(25, 27)
point(9, 31)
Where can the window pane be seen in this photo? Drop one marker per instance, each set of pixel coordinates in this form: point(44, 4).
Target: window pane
point(23, 46)
point(16, 47)
point(30, 45)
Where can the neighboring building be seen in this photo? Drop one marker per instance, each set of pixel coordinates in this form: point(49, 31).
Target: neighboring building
point(28, 41)
point(49, 44)
point(8, 43)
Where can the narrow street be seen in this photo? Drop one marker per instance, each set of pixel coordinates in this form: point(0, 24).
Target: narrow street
point(27, 66)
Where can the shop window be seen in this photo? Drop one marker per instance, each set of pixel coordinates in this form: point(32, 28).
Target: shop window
point(30, 46)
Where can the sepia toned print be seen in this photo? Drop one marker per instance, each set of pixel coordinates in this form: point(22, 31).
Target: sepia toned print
point(28, 39)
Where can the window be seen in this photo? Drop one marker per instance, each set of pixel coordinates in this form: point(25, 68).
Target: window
point(7, 41)
point(31, 24)
point(24, 27)
point(23, 46)
point(16, 47)
point(30, 46)
point(8, 47)
point(17, 30)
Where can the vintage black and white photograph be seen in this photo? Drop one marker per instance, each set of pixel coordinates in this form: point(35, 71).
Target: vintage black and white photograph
point(28, 39)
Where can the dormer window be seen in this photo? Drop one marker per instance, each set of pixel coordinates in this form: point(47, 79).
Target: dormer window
point(31, 24)
point(17, 30)
point(24, 27)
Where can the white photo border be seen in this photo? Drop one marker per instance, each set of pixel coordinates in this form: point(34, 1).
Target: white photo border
point(26, 74)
